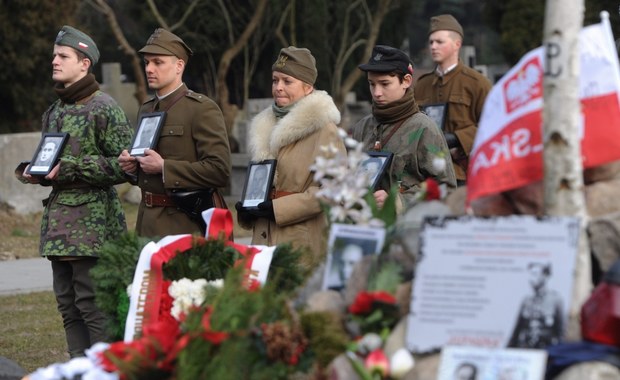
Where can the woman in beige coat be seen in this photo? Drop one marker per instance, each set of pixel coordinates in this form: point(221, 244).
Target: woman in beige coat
point(292, 131)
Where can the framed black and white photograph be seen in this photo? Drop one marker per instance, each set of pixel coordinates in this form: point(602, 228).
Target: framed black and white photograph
point(258, 183)
point(375, 165)
point(147, 133)
point(437, 112)
point(47, 153)
point(348, 244)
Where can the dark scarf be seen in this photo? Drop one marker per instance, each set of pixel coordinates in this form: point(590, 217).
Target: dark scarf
point(78, 90)
point(280, 112)
point(396, 111)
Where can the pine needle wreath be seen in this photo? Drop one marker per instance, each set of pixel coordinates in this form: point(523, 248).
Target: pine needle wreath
point(209, 259)
point(112, 275)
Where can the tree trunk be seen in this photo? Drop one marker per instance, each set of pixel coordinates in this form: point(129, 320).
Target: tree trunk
point(563, 182)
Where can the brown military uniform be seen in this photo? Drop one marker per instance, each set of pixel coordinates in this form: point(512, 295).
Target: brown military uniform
point(464, 90)
point(194, 145)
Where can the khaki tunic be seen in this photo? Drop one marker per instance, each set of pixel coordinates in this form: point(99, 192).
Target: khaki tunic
point(465, 90)
point(194, 145)
point(295, 141)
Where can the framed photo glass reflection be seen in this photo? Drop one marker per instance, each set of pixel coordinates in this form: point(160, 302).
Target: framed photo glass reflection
point(47, 153)
point(437, 112)
point(147, 133)
point(376, 165)
point(258, 183)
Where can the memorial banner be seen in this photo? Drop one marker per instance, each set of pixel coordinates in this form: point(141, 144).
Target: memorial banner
point(492, 282)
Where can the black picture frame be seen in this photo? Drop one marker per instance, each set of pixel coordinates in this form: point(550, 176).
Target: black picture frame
point(258, 182)
point(47, 154)
point(378, 163)
point(146, 135)
point(437, 112)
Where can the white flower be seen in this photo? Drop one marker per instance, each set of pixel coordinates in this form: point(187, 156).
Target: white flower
point(343, 184)
point(439, 163)
point(400, 363)
point(186, 294)
point(129, 290)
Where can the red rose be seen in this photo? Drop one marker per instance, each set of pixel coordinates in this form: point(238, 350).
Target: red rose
point(364, 301)
point(432, 190)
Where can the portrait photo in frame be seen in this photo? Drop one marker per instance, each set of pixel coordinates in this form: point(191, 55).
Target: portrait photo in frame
point(348, 245)
point(47, 154)
point(376, 165)
point(148, 130)
point(258, 183)
point(437, 112)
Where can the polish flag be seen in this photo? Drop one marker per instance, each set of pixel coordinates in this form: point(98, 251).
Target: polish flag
point(507, 151)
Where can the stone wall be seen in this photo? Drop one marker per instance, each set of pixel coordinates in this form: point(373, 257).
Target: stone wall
point(14, 148)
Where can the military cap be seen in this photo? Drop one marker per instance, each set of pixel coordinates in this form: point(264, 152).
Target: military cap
point(386, 59)
point(296, 62)
point(163, 42)
point(80, 41)
point(445, 22)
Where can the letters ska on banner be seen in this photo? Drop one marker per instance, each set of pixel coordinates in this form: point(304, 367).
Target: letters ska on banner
point(507, 151)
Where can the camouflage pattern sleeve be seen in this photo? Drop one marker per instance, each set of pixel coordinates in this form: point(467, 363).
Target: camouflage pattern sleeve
point(92, 152)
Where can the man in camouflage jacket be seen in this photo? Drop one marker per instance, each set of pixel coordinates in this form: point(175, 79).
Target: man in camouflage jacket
point(83, 210)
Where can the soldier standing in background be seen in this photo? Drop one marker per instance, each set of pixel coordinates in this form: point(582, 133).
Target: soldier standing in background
point(191, 152)
point(83, 210)
point(462, 88)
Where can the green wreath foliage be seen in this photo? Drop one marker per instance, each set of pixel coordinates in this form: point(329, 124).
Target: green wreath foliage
point(112, 275)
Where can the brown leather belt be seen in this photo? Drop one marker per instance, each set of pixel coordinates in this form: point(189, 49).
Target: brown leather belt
point(275, 194)
point(157, 200)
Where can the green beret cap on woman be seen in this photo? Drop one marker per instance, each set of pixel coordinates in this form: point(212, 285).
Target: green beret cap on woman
point(298, 63)
point(80, 41)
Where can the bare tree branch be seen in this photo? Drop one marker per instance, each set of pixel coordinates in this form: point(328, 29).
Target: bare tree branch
point(136, 63)
point(278, 31)
point(188, 11)
point(222, 93)
point(231, 33)
point(376, 19)
point(158, 16)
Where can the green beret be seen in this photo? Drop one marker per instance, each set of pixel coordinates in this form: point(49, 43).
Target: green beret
point(80, 41)
point(445, 22)
point(163, 42)
point(298, 63)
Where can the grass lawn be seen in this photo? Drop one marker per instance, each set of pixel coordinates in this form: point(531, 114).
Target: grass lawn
point(31, 332)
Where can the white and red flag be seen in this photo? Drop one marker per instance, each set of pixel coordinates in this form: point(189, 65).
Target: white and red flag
point(507, 151)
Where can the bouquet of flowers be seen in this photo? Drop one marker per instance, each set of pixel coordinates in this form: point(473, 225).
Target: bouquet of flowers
point(372, 316)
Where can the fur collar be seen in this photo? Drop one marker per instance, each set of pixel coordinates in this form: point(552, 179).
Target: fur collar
point(267, 135)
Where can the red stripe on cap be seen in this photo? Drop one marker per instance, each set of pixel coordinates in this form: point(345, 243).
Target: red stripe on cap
point(83, 45)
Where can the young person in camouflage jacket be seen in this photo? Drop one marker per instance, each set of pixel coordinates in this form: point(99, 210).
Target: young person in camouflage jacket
point(83, 209)
point(396, 125)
